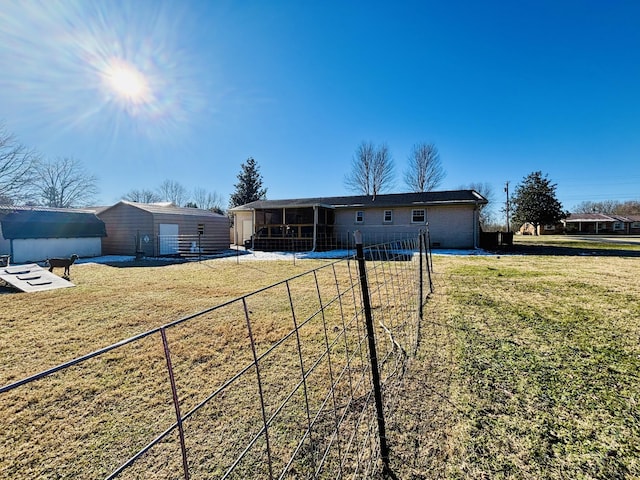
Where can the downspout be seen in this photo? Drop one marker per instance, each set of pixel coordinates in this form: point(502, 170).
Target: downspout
point(284, 219)
point(235, 228)
point(253, 227)
point(315, 227)
point(476, 223)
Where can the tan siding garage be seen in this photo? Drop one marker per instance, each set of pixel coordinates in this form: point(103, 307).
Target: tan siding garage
point(135, 227)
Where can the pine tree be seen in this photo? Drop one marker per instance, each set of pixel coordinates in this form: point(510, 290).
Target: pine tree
point(535, 201)
point(249, 186)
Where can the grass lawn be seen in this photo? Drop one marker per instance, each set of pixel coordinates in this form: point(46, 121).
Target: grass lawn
point(528, 369)
point(573, 245)
point(84, 421)
point(528, 366)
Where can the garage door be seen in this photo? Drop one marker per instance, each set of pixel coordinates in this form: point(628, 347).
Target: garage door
point(168, 238)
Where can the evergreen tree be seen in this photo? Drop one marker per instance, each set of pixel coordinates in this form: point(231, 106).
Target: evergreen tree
point(249, 186)
point(535, 201)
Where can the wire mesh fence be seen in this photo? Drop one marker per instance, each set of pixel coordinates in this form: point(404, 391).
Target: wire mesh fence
point(279, 383)
point(335, 241)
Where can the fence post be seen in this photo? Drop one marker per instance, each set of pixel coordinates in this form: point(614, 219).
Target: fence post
point(429, 259)
point(420, 308)
point(176, 403)
point(375, 373)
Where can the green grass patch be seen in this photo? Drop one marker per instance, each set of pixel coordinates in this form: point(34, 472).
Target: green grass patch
point(546, 368)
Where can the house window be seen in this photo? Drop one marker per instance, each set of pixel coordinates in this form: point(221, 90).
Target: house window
point(418, 216)
point(618, 226)
point(201, 229)
point(635, 225)
point(549, 226)
point(359, 216)
point(388, 216)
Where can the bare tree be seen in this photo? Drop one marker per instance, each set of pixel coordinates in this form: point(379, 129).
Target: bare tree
point(207, 200)
point(17, 169)
point(64, 183)
point(172, 191)
point(611, 207)
point(371, 170)
point(425, 171)
point(487, 213)
point(142, 196)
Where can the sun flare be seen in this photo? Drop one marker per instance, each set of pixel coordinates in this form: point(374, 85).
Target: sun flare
point(127, 82)
point(114, 66)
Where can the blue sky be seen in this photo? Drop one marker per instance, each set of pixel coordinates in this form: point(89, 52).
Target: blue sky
point(501, 88)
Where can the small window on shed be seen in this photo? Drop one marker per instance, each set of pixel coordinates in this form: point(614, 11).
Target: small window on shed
point(201, 229)
point(418, 216)
point(388, 216)
point(359, 216)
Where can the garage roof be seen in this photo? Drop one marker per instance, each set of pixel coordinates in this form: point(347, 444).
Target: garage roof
point(165, 208)
point(21, 222)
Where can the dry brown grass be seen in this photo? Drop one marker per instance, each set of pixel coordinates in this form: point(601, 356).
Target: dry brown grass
point(84, 421)
point(111, 303)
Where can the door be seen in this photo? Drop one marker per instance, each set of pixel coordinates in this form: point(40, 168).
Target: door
point(247, 227)
point(168, 240)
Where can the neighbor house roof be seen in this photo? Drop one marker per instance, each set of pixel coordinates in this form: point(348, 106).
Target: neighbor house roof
point(164, 208)
point(456, 197)
point(39, 222)
point(588, 217)
point(599, 217)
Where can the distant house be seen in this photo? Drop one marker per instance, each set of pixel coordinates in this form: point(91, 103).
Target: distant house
point(156, 229)
point(329, 222)
point(33, 234)
point(546, 229)
point(527, 229)
point(601, 224)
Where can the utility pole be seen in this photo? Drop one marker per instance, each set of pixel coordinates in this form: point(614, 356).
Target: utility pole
point(506, 189)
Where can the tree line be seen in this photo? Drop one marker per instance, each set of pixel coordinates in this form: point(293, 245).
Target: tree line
point(373, 169)
point(373, 172)
point(609, 207)
point(174, 192)
point(26, 178)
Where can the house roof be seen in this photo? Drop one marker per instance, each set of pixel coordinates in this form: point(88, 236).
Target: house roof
point(588, 217)
point(37, 222)
point(600, 217)
point(165, 208)
point(454, 197)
